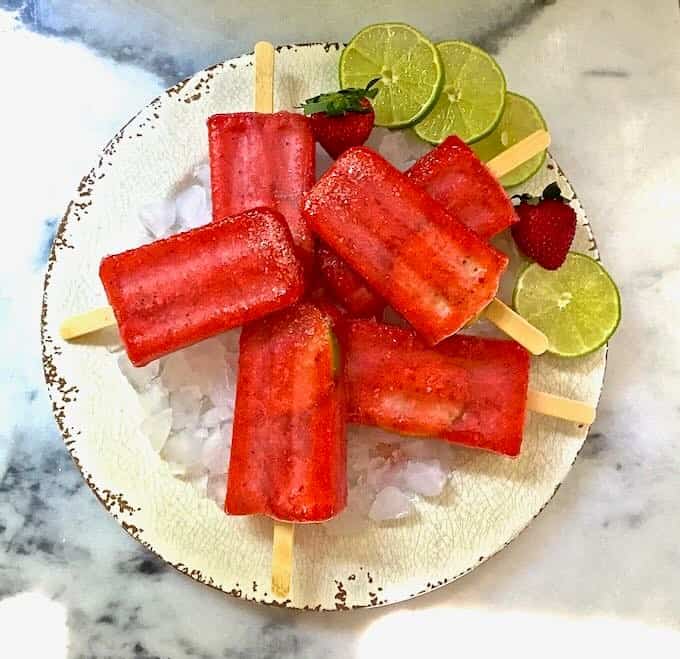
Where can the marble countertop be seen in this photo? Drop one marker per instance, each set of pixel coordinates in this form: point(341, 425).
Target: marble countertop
point(599, 569)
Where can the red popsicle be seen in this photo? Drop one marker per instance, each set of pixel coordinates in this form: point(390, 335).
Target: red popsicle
point(431, 268)
point(453, 175)
point(322, 299)
point(262, 160)
point(288, 451)
point(468, 390)
point(347, 286)
point(174, 292)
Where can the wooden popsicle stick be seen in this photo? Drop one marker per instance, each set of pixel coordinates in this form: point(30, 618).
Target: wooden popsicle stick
point(264, 77)
point(282, 558)
point(87, 322)
point(497, 312)
point(516, 327)
point(519, 153)
point(562, 408)
point(282, 547)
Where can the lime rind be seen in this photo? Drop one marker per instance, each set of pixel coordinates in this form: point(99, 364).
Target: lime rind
point(597, 299)
point(477, 111)
point(396, 105)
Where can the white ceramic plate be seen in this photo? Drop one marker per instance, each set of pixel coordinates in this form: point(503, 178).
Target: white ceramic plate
point(489, 499)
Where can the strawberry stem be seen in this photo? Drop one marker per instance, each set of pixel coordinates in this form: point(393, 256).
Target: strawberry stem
point(343, 101)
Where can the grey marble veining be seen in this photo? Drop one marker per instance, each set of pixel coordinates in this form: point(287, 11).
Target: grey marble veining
point(598, 569)
point(190, 36)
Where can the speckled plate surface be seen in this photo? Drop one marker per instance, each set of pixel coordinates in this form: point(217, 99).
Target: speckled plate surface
point(489, 499)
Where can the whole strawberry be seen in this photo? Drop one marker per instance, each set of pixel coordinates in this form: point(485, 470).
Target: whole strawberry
point(342, 119)
point(545, 229)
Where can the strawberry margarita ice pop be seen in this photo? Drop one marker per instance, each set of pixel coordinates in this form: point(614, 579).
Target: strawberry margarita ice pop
point(431, 268)
point(175, 292)
point(467, 390)
point(454, 176)
point(263, 160)
point(288, 451)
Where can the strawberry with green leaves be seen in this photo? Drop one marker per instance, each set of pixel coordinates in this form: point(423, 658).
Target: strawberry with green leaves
point(546, 227)
point(342, 119)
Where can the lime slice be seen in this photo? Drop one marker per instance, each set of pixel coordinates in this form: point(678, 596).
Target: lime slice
point(407, 64)
point(520, 118)
point(471, 102)
point(577, 306)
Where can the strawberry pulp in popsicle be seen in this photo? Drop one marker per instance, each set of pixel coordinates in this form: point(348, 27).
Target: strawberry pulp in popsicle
point(467, 390)
point(174, 292)
point(263, 160)
point(288, 451)
point(431, 268)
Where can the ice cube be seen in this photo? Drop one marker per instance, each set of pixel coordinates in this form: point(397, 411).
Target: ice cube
point(205, 354)
point(139, 377)
point(382, 473)
point(215, 453)
point(390, 503)
point(230, 340)
point(202, 174)
point(358, 458)
point(186, 407)
point(424, 477)
point(212, 417)
point(182, 448)
point(222, 397)
point(158, 217)
point(157, 428)
point(176, 371)
point(217, 489)
point(371, 435)
point(374, 469)
point(420, 448)
point(191, 206)
point(154, 399)
point(226, 430)
point(205, 360)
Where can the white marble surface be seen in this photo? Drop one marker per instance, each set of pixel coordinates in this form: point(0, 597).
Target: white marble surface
point(599, 570)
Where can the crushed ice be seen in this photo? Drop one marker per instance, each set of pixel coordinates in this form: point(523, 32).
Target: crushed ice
point(187, 403)
point(191, 206)
point(187, 398)
point(158, 218)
